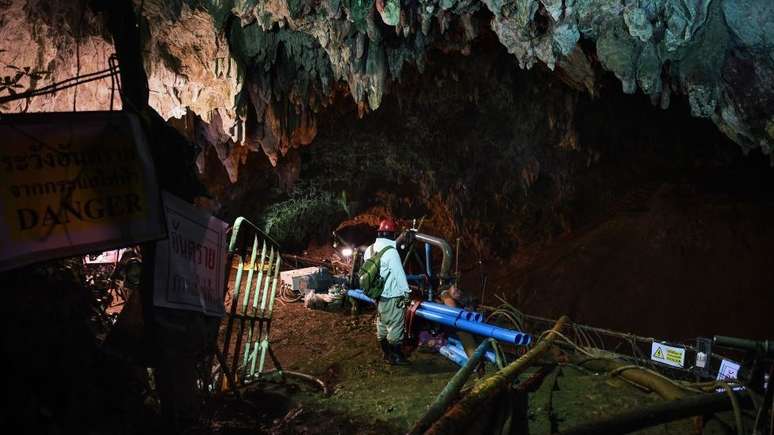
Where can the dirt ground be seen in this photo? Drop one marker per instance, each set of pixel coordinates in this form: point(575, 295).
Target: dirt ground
point(368, 397)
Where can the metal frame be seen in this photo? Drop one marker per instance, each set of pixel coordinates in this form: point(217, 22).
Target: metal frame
point(252, 304)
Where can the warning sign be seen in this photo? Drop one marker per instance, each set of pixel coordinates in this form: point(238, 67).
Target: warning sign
point(190, 264)
point(72, 183)
point(669, 355)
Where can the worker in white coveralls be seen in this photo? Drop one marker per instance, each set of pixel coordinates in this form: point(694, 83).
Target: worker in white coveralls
point(391, 306)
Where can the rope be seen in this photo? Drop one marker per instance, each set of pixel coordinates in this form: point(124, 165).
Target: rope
point(568, 341)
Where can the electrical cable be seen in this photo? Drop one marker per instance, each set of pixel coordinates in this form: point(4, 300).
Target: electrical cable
point(62, 85)
point(737, 408)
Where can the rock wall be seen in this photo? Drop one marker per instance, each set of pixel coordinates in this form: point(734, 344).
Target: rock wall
point(43, 42)
point(718, 53)
point(258, 73)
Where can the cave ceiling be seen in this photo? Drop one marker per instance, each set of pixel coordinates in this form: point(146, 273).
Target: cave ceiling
point(258, 73)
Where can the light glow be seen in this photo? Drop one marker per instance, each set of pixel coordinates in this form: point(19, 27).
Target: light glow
point(347, 252)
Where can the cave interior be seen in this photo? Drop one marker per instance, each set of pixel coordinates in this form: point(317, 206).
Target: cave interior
point(605, 160)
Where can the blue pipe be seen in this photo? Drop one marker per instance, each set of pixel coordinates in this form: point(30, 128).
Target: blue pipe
point(457, 344)
point(483, 329)
point(453, 311)
point(430, 306)
point(449, 352)
point(489, 355)
point(359, 295)
point(479, 328)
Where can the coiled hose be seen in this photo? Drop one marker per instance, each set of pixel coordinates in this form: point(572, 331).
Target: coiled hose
point(287, 295)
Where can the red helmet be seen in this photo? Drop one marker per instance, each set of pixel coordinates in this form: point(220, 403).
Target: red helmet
point(387, 225)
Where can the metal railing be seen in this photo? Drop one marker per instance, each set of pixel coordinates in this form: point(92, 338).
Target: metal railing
point(252, 302)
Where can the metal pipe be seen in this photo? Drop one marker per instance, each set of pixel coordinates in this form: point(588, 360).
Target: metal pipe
point(479, 328)
point(453, 311)
point(428, 260)
point(761, 347)
point(445, 249)
point(429, 270)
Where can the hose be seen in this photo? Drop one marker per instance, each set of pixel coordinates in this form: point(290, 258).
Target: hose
point(299, 375)
point(287, 295)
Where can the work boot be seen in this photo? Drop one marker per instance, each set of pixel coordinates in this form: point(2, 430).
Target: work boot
point(397, 355)
point(386, 351)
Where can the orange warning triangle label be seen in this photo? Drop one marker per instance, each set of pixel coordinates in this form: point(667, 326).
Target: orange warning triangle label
point(658, 353)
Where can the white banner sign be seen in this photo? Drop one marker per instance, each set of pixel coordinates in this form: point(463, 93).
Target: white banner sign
point(669, 355)
point(190, 264)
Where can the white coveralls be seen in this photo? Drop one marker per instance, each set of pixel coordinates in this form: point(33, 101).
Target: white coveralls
point(390, 319)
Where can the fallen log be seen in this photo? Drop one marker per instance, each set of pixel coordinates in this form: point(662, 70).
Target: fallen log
point(660, 413)
point(661, 386)
point(460, 415)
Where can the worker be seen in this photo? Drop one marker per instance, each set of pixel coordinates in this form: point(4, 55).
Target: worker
point(391, 305)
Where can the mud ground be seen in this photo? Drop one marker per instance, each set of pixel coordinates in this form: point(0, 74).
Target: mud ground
point(368, 397)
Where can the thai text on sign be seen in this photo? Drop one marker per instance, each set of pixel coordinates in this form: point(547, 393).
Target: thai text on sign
point(72, 183)
point(190, 264)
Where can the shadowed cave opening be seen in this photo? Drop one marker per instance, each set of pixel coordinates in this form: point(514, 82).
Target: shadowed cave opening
point(526, 171)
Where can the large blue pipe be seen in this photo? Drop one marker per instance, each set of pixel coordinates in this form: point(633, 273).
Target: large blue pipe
point(479, 328)
point(430, 306)
point(483, 329)
point(453, 311)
